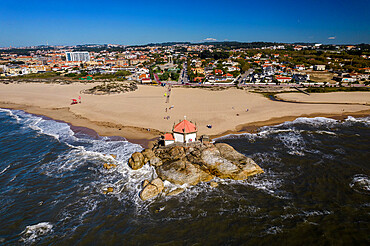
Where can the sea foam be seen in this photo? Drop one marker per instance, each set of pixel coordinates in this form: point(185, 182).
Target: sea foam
point(33, 232)
point(361, 183)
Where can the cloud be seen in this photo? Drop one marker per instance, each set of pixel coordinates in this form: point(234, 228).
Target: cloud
point(210, 39)
point(332, 37)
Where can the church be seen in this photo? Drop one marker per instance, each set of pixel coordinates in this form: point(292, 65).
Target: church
point(183, 132)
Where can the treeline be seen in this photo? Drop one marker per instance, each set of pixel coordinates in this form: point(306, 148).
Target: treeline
point(214, 55)
point(24, 52)
point(238, 45)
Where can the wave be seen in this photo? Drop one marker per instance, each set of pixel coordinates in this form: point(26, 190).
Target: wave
point(288, 126)
point(82, 153)
point(84, 156)
point(33, 232)
point(364, 120)
point(10, 113)
point(361, 183)
point(4, 169)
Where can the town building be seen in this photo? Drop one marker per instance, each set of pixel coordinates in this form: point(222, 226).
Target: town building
point(83, 56)
point(283, 79)
point(301, 77)
point(319, 67)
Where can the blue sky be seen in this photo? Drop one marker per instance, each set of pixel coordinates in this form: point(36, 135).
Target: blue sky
point(35, 22)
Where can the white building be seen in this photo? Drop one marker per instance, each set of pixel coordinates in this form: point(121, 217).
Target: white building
point(183, 132)
point(3, 68)
point(83, 56)
point(319, 67)
point(168, 139)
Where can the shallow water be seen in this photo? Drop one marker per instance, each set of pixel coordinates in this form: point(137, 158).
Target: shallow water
point(315, 189)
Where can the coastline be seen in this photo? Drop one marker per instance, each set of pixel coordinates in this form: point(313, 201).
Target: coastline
point(144, 137)
point(142, 115)
point(252, 127)
point(132, 134)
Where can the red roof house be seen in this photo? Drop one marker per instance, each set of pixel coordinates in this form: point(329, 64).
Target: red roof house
point(183, 132)
point(169, 137)
point(218, 71)
point(185, 126)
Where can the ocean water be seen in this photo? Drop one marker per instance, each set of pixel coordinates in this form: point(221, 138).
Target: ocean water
point(315, 189)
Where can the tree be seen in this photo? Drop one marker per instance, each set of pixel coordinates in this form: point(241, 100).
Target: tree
point(175, 76)
point(245, 67)
point(123, 73)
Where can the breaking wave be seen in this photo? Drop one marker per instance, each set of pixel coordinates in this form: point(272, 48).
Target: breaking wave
point(361, 183)
point(303, 162)
point(34, 232)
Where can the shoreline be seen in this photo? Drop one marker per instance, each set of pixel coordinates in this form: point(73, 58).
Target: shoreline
point(252, 127)
point(145, 136)
point(79, 123)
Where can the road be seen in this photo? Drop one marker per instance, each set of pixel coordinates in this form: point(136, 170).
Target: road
point(183, 79)
point(244, 75)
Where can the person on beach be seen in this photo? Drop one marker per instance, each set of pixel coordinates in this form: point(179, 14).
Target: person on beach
point(79, 99)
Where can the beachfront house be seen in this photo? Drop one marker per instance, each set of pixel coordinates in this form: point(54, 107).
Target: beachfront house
point(319, 67)
point(301, 77)
point(183, 132)
point(168, 139)
point(282, 79)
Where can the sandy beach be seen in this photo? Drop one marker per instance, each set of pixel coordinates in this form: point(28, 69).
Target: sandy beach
point(142, 114)
point(333, 97)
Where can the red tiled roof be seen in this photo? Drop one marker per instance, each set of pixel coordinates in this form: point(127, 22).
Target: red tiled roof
point(185, 126)
point(168, 136)
point(281, 77)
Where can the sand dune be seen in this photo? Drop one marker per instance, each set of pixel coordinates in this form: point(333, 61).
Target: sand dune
point(126, 114)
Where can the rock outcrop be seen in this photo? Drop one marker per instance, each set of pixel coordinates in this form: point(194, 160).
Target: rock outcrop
point(151, 189)
point(109, 165)
point(136, 161)
point(182, 172)
point(225, 162)
point(197, 162)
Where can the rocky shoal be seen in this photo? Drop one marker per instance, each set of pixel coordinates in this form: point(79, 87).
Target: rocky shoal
point(189, 165)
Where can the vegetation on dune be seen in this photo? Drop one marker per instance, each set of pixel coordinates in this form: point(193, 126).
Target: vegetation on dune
point(112, 87)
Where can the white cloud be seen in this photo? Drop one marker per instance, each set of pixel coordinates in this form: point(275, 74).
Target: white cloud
point(210, 39)
point(332, 37)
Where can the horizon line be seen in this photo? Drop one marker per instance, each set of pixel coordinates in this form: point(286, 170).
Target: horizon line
point(183, 42)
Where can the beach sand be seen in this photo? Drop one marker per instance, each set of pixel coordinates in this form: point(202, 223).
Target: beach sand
point(139, 115)
point(355, 97)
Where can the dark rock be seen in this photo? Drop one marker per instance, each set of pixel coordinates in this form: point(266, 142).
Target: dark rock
point(148, 155)
point(182, 172)
point(136, 161)
point(192, 164)
point(229, 152)
point(109, 165)
point(156, 161)
point(218, 165)
point(177, 152)
point(151, 189)
point(175, 192)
